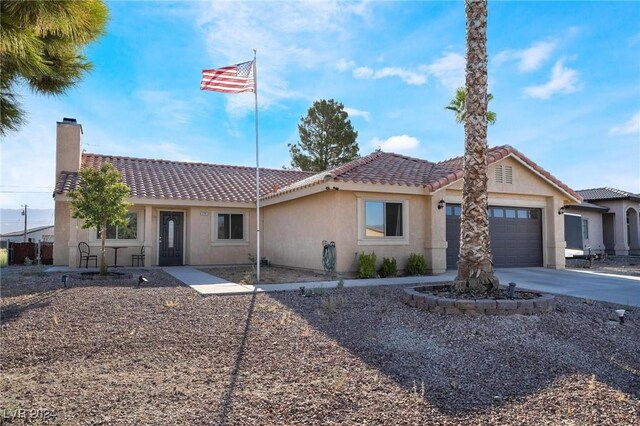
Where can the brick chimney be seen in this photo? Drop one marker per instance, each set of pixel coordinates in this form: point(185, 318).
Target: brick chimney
point(68, 146)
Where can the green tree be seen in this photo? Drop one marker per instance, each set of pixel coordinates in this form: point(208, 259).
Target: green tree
point(457, 105)
point(99, 201)
point(475, 263)
point(40, 45)
point(327, 138)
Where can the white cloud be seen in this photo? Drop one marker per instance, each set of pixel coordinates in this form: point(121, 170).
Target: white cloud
point(353, 112)
point(529, 59)
point(398, 143)
point(563, 80)
point(630, 127)
point(449, 70)
point(409, 77)
point(344, 64)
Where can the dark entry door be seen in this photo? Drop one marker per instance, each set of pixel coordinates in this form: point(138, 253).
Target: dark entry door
point(171, 241)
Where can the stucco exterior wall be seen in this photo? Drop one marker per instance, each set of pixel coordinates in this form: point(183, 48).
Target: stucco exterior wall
point(595, 240)
point(205, 249)
point(624, 244)
point(61, 239)
point(294, 230)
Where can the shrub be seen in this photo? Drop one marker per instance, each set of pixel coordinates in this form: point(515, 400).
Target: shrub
point(4, 258)
point(416, 265)
point(367, 265)
point(389, 267)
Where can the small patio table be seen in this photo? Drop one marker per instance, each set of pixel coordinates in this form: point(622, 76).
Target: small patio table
point(115, 257)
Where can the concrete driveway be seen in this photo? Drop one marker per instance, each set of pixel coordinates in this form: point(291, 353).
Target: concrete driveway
point(620, 289)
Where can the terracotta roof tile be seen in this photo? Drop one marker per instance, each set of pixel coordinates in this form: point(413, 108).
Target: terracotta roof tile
point(212, 182)
point(188, 181)
point(394, 169)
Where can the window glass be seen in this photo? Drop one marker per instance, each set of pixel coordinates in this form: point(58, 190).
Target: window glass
point(453, 210)
point(523, 214)
point(374, 219)
point(383, 219)
point(498, 212)
point(236, 227)
point(393, 219)
point(510, 213)
point(171, 233)
point(230, 226)
point(126, 232)
point(223, 228)
point(585, 229)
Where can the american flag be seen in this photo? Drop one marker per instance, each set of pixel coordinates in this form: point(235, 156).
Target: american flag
point(232, 79)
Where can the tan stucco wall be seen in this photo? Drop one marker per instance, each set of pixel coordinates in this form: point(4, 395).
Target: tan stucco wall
point(203, 249)
point(62, 232)
point(294, 230)
point(619, 208)
point(595, 241)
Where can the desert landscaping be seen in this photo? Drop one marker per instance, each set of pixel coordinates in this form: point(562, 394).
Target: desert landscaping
point(107, 352)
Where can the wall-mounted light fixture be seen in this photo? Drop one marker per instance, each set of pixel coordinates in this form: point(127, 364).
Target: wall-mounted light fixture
point(441, 204)
point(561, 210)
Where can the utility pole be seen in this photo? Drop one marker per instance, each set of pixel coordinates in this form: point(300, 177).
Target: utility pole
point(24, 213)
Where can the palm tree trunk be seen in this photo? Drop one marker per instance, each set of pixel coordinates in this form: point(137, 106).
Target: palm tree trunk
point(475, 265)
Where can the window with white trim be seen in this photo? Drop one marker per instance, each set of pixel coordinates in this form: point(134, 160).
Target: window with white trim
point(383, 219)
point(126, 232)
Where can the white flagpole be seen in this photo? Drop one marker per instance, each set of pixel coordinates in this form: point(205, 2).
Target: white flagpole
point(255, 92)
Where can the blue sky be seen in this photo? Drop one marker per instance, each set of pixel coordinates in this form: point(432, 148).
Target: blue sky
point(565, 78)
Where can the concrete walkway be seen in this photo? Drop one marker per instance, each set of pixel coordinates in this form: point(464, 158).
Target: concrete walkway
point(585, 284)
point(207, 284)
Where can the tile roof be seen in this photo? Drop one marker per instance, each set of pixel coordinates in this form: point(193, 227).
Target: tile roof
point(186, 181)
point(394, 169)
point(607, 194)
point(211, 182)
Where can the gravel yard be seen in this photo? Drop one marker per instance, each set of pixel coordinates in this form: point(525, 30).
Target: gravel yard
point(105, 352)
point(245, 274)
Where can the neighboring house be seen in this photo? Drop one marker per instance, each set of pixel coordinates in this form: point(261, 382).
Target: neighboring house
point(607, 221)
point(393, 205)
point(39, 234)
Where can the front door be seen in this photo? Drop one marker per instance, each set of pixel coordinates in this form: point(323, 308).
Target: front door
point(171, 238)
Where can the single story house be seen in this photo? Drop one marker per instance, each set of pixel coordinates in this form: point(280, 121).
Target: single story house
point(607, 221)
point(390, 204)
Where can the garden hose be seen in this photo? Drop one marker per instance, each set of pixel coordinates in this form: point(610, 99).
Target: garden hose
point(328, 256)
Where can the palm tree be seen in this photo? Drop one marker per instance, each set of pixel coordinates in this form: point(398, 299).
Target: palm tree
point(475, 264)
point(457, 105)
point(40, 45)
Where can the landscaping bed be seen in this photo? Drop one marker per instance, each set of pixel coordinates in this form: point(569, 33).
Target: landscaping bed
point(106, 352)
point(245, 274)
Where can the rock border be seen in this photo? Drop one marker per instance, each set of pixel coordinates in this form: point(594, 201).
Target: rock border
point(415, 297)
